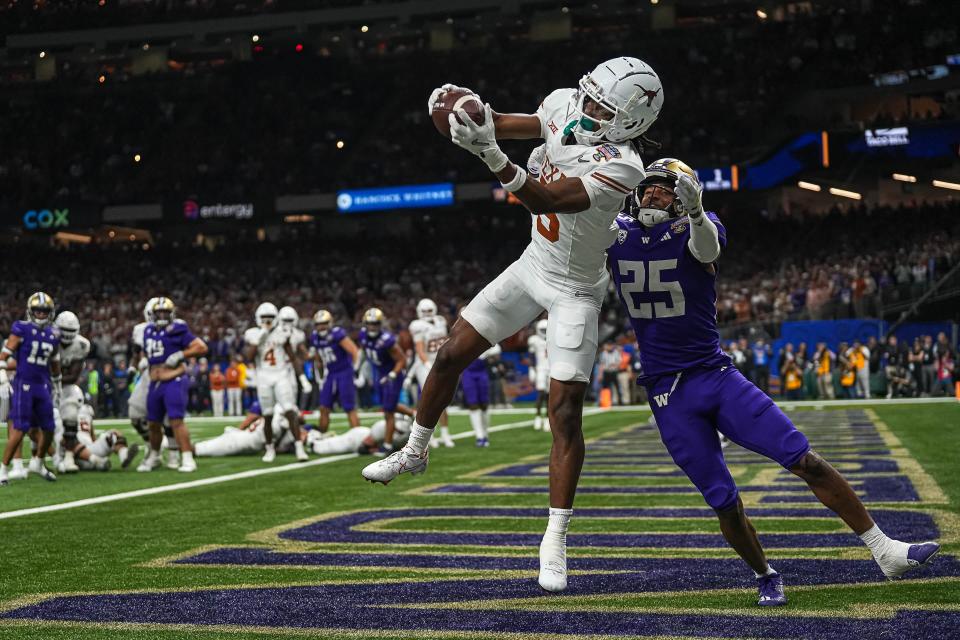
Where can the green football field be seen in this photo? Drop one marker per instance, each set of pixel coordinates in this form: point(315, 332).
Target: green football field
point(241, 549)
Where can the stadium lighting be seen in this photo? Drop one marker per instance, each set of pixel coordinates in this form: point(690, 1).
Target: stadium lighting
point(654, 1)
point(565, 9)
point(102, 79)
point(136, 157)
point(43, 54)
point(340, 144)
point(902, 177)
point(943, 184)
point(761, 14)
point(146, 46)
point(449, 20)
point(255, 38)
point(112, 233)
point(809, 186)
point(843, 193)
point(298, 48)
point(132, 237)
point(364, 29)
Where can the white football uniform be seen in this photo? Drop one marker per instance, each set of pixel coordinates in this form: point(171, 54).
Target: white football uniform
point(537, 345)
point(234, 442)
point(432, 332)
point(273, 369)
point(137, 405)
point(563, 269)
point(101, 445)
point(297, 338)
point(71, 397)
point(351, 440)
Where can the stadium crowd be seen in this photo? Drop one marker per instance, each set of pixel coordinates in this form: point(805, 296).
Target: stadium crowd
point(726, 88)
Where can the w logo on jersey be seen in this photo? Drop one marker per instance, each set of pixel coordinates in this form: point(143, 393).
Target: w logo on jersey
point(646, 240)
point(662, 399)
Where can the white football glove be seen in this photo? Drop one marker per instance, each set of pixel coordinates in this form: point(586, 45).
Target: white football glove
point(143, 364)
point(435, 94)
point(691, 196)
point(4, 378)
point(359, 381)
point(535, 161)
point(174, 359)
point(387, 379)
point(305, 385)
point(478, 139)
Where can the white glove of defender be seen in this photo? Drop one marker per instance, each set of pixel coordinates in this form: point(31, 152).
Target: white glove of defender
point(435, 94)
point(174, 359)
point(478, 139)
point(305, 385)
point(387, 379)
point(359, 381)
point(691, 196)
point(143, 365)
point(535, 161)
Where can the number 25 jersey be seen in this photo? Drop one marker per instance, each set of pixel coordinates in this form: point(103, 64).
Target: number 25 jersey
point(670, 296)
point(567, 248)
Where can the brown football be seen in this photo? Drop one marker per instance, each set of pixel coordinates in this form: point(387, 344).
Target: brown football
point(450, 101)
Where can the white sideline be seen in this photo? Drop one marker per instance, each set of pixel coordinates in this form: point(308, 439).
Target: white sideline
point(252, 473)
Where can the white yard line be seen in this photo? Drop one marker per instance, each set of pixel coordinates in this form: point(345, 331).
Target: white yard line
point(252, 473)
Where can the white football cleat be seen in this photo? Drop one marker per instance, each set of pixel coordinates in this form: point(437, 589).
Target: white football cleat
point(68, 463)
point(553, 565)
point(300, 452)
point(18, 474)
point(537, 422)
point(270, 454)
point(434, 442)
point(447, 441)
point(189, 465)
point(150, 462)
point(398, 462)
point(546, 425)
point(173, 459)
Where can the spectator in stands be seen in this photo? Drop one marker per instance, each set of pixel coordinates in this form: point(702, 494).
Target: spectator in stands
point(761, 354)
point(108, 400)
point(928, 366)
point(946, 361)
point(121, 382)
point(859, 357)
point(848, 378)
point(234, 389)
point(609, 360)
point(825, 362)
point(792, 379)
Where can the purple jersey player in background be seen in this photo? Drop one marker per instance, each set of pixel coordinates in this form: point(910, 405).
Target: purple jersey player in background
point(336, 357)
point(386, 359)
point(663, 264)
point(36, 386)
point(167, 343)
point(475, 381)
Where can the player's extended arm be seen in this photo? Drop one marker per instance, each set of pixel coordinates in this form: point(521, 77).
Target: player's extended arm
point(72, 373)
point(9, 348)
point(704, 241)
point(348, 345)
point(420, 347)
point(398, 359)
point(195, 349)
point(517, 126)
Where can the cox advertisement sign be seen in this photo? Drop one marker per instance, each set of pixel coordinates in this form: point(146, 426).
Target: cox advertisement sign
point(59, 218)
point(404, 197)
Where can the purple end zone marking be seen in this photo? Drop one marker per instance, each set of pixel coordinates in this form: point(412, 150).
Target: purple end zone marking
point(355, 606)
point(897, 524)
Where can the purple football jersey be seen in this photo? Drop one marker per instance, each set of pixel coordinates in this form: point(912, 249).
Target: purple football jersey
point(335, 358)
point(670, 296)
point(160, 342)
point(37, 344)
point(378, 348)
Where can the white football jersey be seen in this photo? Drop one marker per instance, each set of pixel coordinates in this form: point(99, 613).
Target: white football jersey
point(137, 335)
point(76, 350)
point(432, 332)
point(568, 248)
point(297, 337)
point(272, 358)
point(538, 347)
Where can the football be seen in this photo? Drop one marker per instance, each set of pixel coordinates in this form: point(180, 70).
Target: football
point(451, 101)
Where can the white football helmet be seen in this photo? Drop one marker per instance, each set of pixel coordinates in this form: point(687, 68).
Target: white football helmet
point(542, 328)
point(629, 89)
point(266, 315)
point(69, 326)
point(163, 311)
point(289, 317)
point(426, 309)
point(148, 310)
point(322, 320)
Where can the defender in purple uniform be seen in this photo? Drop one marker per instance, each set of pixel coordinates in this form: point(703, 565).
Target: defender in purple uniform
point(664, 265)
point(386, 358)
point(36, 387)
point(475, 381)
point(335, 357)
point(167, 343)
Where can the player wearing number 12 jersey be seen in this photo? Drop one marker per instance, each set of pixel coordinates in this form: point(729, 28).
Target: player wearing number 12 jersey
point(664, 265)
point(590, 164)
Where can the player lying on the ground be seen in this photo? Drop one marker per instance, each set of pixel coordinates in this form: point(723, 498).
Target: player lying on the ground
point(92, 451)
point(590, 163)
point(35, 345)
point(363, 440)
point(664, 265)
point(250, 436)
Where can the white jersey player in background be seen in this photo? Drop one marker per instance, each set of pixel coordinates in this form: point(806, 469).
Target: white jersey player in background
point(93, 451)
point(137, 405)
point(429, 332)
point(74, 349)
point(290, 319)
point(363, 440)
point(250, 437)
point(591, 163)
point(268, 344)
point(540, 372)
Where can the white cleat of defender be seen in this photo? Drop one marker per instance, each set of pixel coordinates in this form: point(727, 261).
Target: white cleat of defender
point(173, 459)
point(900, 557)
point(553, 565)
point(36, 466)
point(150, 462)
point(189, 465)
point(398, 462)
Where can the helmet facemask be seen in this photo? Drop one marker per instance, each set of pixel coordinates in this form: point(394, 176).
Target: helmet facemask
point(652, 214)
